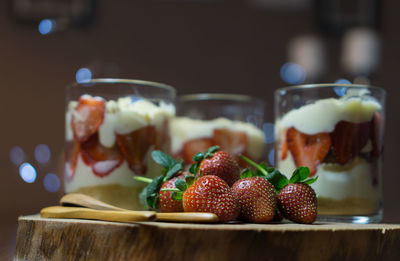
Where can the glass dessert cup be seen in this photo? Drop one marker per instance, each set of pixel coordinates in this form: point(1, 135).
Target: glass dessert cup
point(337, 131)
point(112, 125)
point(230, 121)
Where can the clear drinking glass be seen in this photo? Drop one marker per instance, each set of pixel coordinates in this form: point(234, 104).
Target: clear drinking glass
point(337, 131)
point(234, 122)
point(112, 125)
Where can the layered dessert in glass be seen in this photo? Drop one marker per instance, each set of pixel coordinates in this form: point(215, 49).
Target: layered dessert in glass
point(230, 121)
point(337, 131)
point(112, 126)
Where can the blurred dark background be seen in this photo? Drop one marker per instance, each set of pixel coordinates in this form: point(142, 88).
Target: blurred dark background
point(242, 46)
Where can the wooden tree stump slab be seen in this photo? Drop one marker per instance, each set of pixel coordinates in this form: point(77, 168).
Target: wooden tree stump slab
point(72, 239)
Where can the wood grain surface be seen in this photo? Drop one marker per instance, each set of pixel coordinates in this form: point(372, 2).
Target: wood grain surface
point(71, 239)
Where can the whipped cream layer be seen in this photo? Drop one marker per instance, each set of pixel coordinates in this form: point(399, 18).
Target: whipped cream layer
point(339, 182)
point(183, 129)
point(124, 116)
point(324, 114)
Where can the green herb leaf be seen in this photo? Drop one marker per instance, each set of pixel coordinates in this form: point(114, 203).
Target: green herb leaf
point(247, 173)
point(177, 195)
point(163, 159)
point(310, 181)
point(173, 170)
point(189, 180)
point(180, 184)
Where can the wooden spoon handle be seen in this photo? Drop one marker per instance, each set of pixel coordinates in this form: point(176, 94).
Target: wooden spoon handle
point(106, 215)
point(78, 199)
point(195, 217)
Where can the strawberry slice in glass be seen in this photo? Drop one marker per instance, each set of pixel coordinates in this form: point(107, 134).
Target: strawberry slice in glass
point(73, 149)
point(348, 139)
point(135, 147)
point(194, 146)
point(87, 117)
point(102, 160)
point(233, 142)
point(308, 150)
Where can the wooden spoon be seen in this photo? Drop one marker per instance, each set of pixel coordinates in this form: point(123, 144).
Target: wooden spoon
point(81, 200)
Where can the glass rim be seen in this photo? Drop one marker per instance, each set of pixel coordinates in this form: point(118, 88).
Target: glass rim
point(327, 85)
point(219, 96)
point(126, 81)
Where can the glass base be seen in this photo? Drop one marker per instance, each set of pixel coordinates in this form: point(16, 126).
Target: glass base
point(376, 218)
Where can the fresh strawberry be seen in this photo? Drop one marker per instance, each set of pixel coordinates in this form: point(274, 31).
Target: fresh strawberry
point(296, 200)
point(298, 203)
point(377, 134)
point(166, 203)
point(87, 117)
point(217, 163)
point(102, 160)
point(257, 199)
point(135, 146)
point(233, 142)
point(152, 196)
point(191, 147)
point(348, 139)
point(211, 194)
point(73, 149)
point(308, 150)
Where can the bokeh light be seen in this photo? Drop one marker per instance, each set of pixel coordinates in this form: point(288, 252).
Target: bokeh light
point(271, 157)
point(293, 73)
point(42, 153)
point(52, 182)
point(27, 172)
point(46, 26)
point(17, 155)
point(83, 75)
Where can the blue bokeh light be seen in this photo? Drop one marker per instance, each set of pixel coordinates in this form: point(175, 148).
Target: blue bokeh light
point(52, 182)
point(46, 26)
point(27, 172)
point(42, 153)
point(342, 81)
point(293, 73)
point(341, 90)
point(17, 155)
point(83, 75)
point(271, 157)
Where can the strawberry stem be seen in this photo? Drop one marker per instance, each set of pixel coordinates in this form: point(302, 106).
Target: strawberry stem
point(143, 179)
point(252, 163)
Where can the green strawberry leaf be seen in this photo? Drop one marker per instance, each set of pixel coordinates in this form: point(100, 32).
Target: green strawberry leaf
point(143, 197)
point(247, 173)
point(152, 192)
point(173, 170)
point(198, 157)
point(277, 179)
point(163, 159)
point(304, 172)
point(211, 151)
point(310, 181)
point(295, 176)
point(180, 184)
point(189, 180)
point(177, 195)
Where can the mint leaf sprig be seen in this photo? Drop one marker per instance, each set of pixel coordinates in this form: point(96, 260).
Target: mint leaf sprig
point(180, 187)
point(149, 195)
point(273, 175)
